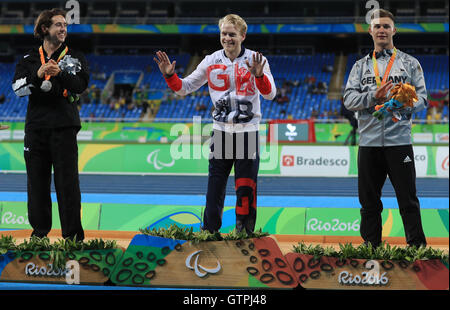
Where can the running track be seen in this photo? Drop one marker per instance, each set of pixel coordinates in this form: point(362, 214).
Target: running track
point(190, 190)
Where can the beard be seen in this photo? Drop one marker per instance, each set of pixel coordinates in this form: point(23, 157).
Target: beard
point(54, 39)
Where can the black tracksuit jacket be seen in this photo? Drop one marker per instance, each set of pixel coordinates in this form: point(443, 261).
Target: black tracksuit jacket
point(50, 109)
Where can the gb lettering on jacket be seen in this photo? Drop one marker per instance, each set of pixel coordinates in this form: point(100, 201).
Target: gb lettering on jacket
point(221, 78)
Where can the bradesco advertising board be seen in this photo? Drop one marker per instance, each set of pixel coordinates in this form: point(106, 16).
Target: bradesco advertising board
point(341, 161)
point(329, 161)
point(421, 160)
point(442, 162)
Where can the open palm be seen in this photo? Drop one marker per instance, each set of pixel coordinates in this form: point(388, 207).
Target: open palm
point(257, 66)
point(164, 64)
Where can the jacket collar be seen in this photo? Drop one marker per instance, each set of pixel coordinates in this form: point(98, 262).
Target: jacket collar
point(385, 52)
point(56, 53)
point(240, 54)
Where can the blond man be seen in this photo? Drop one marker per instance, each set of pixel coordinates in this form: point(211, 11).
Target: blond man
point(236, 78)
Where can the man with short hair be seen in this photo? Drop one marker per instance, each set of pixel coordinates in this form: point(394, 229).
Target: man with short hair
point(236, 77)
point(385, 147)
point(52, 76)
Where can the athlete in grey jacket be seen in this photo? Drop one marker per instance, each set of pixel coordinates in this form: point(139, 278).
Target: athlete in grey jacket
point(385, 147)
point(360, 93)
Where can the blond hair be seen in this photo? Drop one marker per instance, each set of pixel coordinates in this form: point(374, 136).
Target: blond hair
point(235, 20)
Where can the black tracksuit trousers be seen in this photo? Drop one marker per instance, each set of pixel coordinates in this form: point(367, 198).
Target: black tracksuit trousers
point(374, 165)
point(242, 151)
point(57, 148)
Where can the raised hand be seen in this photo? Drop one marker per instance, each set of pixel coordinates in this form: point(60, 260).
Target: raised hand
point(164, 64)
point(257, 66)
point(381, 93)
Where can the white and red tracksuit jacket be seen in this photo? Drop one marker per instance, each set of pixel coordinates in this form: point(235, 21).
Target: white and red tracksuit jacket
point(233, 89)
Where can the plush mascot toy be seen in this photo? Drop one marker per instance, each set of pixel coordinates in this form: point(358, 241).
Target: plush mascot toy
point(402, 96)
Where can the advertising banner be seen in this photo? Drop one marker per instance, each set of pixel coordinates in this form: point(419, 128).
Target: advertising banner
point(430, 133)
point(168, 132)
point(213, 29)
point(333, 161)
point(274, 220)
point(442, 162)
point(138, 132)
point(186, 158)
point(333, 132)
point(421, 133)
point(14, 215)
point(421, 160)
point(332, 222)
point(347, 221)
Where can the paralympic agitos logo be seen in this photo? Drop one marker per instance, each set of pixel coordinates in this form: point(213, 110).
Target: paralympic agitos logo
point(152, 159)
point(394, 79)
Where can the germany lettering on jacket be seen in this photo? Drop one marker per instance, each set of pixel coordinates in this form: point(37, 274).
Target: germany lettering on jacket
point(394, 79)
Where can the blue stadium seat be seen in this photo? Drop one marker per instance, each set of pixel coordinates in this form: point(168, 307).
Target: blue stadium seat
point(301, 102)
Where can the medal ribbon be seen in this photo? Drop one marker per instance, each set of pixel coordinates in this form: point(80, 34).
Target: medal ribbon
point(41, 53)
point(388, 68)
point(63, 53)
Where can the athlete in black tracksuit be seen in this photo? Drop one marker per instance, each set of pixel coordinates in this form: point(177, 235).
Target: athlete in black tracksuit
point(51, 127)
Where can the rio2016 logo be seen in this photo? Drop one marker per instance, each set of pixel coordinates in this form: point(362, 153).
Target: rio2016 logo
point(334, 225)
point(371, 277)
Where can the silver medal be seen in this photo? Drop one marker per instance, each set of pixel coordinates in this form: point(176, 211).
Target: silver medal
point(46, 86)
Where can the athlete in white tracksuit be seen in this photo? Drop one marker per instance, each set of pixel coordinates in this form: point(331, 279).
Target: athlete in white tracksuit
point(236, 78)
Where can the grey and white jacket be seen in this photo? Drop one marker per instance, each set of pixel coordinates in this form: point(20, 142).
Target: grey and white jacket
point(359, 97)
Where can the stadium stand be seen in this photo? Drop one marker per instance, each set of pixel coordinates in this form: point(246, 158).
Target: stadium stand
point(130, 87)
point(13, 107)
point(304, 99)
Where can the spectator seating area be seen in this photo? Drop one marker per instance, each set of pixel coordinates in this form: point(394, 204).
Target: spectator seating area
point(126, 68)
point(13, 106)
point(301, 82)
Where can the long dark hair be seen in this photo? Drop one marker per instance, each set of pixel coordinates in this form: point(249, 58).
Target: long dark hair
point(45, 19)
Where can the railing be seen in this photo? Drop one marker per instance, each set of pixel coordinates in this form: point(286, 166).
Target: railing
point(206, 120)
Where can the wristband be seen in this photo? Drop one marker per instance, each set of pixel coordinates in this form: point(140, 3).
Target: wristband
point(263, 84)
point(174, 82)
